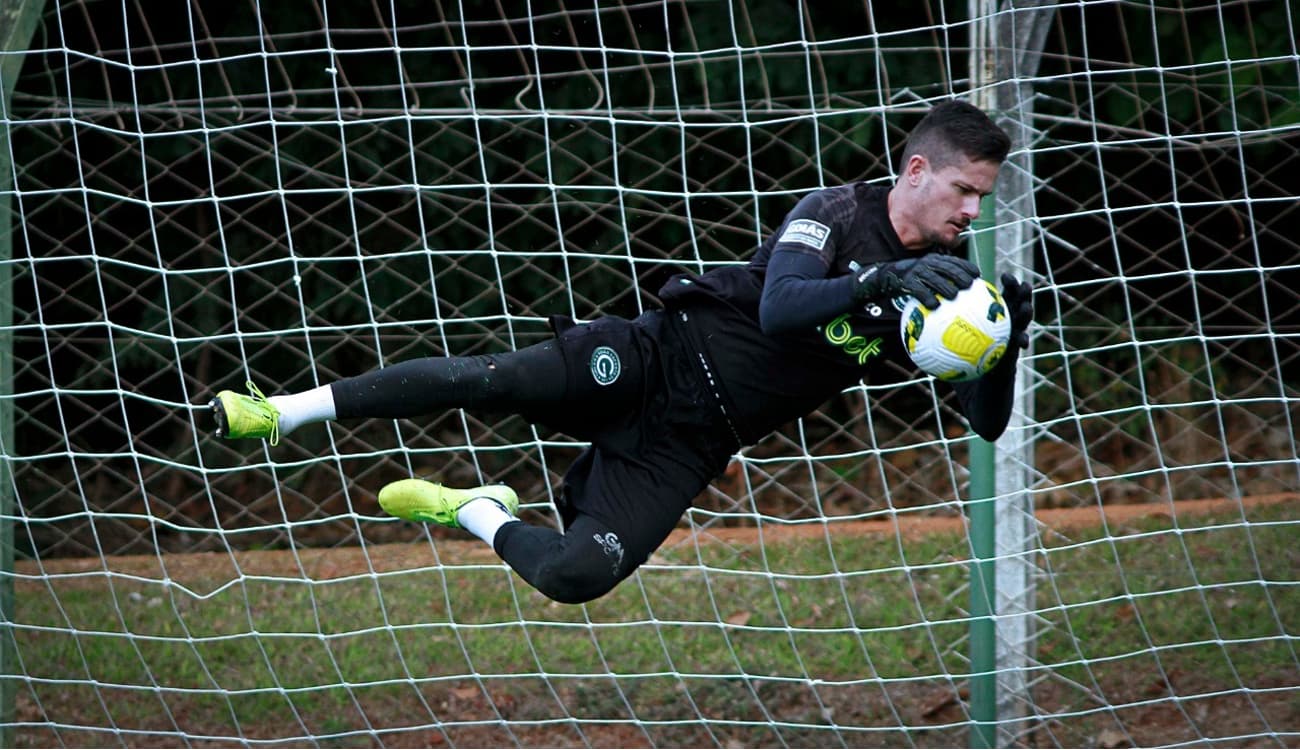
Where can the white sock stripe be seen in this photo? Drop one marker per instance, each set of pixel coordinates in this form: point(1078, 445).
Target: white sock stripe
point(297, 409)
point(483, 516)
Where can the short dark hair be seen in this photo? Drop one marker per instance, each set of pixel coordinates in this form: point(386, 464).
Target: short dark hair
point(957, 127)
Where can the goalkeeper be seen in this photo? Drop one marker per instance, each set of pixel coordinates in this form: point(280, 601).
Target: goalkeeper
point(665, 400)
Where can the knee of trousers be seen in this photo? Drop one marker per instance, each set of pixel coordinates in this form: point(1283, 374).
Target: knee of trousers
point(578, 566)
point(568, 583)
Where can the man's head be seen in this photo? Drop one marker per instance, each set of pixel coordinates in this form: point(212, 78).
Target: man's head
point(951, 160)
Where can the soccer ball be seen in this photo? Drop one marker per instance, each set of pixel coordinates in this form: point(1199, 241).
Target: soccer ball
point(961, 339)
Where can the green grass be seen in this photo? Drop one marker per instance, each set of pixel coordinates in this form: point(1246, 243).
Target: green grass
point(854, 629)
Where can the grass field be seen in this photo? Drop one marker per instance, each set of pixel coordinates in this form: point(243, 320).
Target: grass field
point(849, 639)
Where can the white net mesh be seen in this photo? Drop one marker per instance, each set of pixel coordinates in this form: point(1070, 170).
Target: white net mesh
point(289, 193)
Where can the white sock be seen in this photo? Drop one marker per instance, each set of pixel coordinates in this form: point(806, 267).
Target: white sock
point(482, 517)
point(297, 409)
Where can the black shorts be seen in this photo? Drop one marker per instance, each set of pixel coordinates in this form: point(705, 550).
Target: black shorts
point(657, 436)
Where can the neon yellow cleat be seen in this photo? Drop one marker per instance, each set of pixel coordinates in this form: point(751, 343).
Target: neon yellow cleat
point(240, 416)
point(429, 502)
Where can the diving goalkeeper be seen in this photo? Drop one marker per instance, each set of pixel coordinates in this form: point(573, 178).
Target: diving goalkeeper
point(666, 399)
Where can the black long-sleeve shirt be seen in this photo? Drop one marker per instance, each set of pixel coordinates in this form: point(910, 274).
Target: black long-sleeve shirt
point(782, 333)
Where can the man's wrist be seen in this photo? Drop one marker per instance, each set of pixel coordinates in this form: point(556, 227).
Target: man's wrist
point(868, 282)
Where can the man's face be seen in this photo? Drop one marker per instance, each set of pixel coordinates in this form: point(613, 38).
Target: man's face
point(949, 198)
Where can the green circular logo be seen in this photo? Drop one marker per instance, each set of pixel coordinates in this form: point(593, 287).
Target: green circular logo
point(605, 365)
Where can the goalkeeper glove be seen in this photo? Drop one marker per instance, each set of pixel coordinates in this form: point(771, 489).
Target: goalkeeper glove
point(1019, 296)
point(923, 278)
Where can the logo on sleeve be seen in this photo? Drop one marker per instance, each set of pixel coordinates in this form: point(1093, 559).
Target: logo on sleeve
point(806, 232)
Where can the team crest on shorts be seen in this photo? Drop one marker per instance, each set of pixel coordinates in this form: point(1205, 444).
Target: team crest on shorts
point(605, 365)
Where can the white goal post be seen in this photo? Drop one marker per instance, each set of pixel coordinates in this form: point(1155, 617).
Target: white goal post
point(195, 195)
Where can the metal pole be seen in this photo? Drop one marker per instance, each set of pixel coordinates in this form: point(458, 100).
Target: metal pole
point(1007, 39)
point(983, 527)
point(18, 19)
point(983, 478)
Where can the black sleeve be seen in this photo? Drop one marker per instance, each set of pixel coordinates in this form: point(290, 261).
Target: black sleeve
point(987, 402)
point(797, 295)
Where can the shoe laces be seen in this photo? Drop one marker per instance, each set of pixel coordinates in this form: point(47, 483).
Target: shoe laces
point(272, 412)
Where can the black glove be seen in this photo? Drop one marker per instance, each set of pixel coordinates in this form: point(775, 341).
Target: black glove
point(1019, 296)
point(923, 278)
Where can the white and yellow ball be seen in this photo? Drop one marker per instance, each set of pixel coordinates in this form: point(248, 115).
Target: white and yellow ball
point(963, 338)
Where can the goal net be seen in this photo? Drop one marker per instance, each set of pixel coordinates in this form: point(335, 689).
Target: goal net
point(201, 194)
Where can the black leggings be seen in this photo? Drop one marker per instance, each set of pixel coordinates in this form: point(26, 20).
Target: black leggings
point(580, 565)
point(510, 382)
point(616, 511)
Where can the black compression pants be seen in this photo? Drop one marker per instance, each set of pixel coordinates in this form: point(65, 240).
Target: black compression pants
point(569, 568)
point(510, 382)
point(616, 509)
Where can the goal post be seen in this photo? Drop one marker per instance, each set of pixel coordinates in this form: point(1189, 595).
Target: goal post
point(1008, 39)
point(18, 22)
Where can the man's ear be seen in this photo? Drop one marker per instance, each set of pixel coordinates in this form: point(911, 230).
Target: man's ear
point(915, 168)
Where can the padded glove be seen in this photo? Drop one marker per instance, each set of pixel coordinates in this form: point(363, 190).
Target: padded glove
point(926, 278)
point(1019, 296)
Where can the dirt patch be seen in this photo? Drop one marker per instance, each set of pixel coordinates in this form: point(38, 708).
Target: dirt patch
point(325, 564)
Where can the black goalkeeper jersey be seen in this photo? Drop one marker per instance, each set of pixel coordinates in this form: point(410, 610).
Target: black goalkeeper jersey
point(765, 380)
